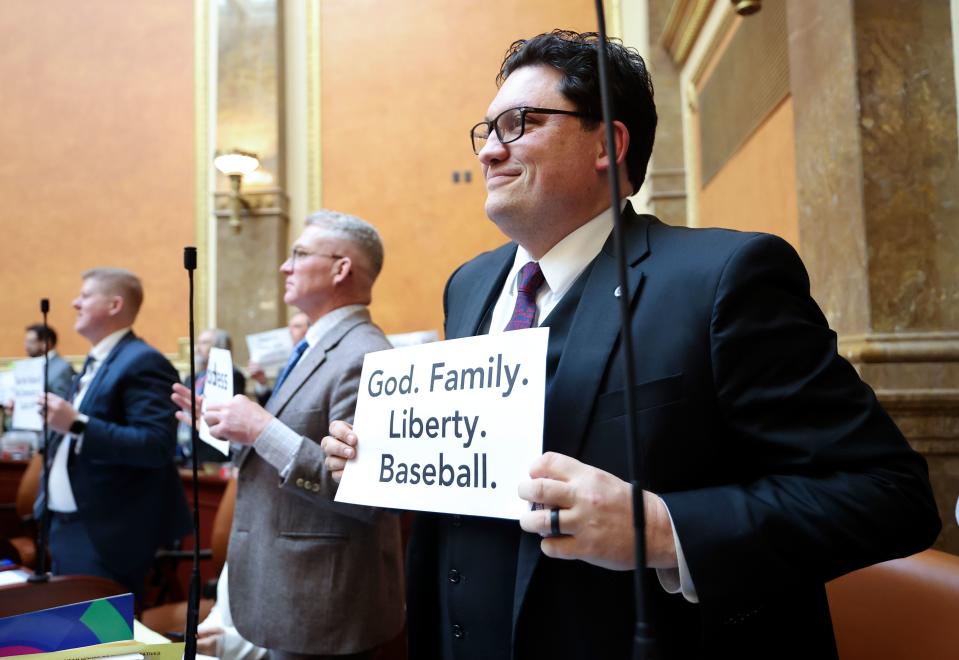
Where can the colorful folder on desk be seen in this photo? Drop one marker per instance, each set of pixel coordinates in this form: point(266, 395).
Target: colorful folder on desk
point(68, 626)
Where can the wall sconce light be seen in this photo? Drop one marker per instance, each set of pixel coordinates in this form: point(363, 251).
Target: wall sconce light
point(235, 164)
point(747, 7)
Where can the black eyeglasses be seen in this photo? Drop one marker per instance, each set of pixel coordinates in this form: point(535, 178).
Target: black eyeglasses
point(510, 125)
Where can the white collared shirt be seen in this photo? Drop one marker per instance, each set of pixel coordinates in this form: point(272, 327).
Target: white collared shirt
point(565, 262)
point(325, 323)
point(59, 491)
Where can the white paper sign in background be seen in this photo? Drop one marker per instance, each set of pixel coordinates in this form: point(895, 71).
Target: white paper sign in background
point(218, 388)
point(28, 378)
point(451, 426)
point(270, 349)
point(8, 386)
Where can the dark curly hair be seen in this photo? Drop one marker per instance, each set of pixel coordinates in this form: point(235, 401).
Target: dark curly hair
point(44, 332)
point(574, 54)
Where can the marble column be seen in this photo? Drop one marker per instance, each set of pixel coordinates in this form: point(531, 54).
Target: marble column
point(666, 178)
point(249, 284)
point(878, 187)
point(250, 111)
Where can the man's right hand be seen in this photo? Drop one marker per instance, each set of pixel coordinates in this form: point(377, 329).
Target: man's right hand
point(181, 397)
point(256, 372)
point(210, 641)
point(339, 447)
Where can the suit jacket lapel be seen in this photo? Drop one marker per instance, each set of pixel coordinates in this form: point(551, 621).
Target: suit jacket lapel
point(304, 369)
point(487, 290)
point(595, 328)
point(311, 361)
point(90, 396)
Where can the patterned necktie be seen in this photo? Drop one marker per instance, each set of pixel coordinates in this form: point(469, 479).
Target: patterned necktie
point(75, 385)
point(295, 356)
point(530, 280)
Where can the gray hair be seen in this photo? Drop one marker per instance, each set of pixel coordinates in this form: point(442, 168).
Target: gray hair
point(221, 339)
point(119, 282)
point(355, 230)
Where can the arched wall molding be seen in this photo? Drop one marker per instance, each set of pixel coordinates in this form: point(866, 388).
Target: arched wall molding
point(695, 47)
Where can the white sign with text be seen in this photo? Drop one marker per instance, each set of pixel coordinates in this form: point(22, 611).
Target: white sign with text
point(270, 349)
point(28, 386)
point(450, 426)
point(218, 388)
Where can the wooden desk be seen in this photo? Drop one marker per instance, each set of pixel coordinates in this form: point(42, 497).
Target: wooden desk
point(211, 487)
point(58, 590)
point(10, 473)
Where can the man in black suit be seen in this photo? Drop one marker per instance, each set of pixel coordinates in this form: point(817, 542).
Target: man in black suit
point(114, 493)
point(770, 467)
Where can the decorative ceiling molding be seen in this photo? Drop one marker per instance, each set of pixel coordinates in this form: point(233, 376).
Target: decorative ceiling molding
point(683, 25)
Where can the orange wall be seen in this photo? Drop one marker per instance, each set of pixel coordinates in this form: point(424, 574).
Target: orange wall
point(397, 107)
point(756, 189)
point(96, 137)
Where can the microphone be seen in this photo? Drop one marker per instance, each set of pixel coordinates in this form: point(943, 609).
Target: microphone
point(40, 563)
point(193, 602)
point(189, 258)
point(644, 637)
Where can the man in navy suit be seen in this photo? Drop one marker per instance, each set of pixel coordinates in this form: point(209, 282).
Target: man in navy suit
point(114, 493)
point(770, 468)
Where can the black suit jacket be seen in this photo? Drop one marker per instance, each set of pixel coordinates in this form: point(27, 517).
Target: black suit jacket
point(127, 489)
point(779, 467)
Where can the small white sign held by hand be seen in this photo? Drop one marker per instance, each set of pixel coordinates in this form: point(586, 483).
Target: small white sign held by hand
point(218, 388)
point(451, 426)
point(270, 349)
point(28, 386)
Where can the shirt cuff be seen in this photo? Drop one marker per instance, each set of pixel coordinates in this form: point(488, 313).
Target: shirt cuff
point(277, 445)
point(677, 580)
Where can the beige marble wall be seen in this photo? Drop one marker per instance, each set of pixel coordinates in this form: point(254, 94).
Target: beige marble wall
point(250, 92)
point(878, 181)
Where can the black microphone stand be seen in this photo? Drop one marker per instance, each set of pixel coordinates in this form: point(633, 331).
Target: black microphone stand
point(193, 602)
point(644, 643)
point(40, 563)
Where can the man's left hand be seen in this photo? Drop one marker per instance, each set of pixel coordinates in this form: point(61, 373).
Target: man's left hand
point(239, 420)
point(60, 414)
point(595, 515)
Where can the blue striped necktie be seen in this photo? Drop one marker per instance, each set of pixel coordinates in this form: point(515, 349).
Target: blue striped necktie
point(295, 356)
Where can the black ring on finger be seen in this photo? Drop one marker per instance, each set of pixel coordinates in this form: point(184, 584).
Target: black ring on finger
point(554, 523)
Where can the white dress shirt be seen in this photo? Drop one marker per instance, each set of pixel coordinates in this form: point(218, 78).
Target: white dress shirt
point(561, 266)
point(59, 491)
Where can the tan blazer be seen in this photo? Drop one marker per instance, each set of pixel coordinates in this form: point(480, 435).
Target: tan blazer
point(308, 575)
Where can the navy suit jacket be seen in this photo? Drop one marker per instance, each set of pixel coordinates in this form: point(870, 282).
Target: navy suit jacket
point(779, 467)
point(127, 488)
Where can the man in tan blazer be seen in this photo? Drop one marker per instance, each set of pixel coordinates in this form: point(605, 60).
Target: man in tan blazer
point(309, 577)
